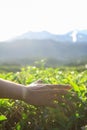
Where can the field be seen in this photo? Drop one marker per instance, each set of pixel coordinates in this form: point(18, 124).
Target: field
point(17, 115)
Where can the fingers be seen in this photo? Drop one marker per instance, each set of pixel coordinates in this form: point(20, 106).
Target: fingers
point(49, 87)
point(39, 83)
point(59, 86)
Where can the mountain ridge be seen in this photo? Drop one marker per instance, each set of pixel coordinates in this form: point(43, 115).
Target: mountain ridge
point(57, 49)
point(72, 36)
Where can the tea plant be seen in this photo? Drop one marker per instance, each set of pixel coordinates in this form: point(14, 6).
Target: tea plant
point(72, 115)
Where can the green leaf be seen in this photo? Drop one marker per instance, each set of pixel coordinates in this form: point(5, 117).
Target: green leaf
point(2, 118)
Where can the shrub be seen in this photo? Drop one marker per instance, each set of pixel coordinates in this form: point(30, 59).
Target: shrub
point(17, 115)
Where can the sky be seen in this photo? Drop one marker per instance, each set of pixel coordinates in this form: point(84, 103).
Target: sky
point(55, 16)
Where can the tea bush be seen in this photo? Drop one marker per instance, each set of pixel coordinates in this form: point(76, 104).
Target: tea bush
point(17, 115)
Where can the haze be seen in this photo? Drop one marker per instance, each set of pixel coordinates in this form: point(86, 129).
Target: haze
point(55, 16)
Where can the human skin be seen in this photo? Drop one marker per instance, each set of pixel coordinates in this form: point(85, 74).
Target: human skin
point(38, 94)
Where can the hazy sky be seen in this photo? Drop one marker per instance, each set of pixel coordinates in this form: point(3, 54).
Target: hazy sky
point(56, 16)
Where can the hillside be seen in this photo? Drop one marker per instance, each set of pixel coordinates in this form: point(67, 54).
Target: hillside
point(26, 51)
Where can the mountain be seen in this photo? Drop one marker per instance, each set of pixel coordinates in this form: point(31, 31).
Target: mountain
point(36, 35)
point(66, 49)
point(73, 36)
point(78, 36)
point(44, 35)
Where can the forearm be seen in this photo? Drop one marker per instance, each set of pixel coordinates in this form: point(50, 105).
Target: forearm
point(11, 90)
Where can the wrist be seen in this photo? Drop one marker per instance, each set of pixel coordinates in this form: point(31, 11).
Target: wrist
point(24, 90)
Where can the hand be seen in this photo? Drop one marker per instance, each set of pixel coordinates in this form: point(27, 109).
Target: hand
point(46, 94)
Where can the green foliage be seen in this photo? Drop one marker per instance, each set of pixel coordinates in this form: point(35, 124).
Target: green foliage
point(17, 115)
point(2, 117)
point(9, 67)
